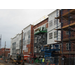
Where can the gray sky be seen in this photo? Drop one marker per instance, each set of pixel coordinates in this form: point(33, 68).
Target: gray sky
point(12, 21)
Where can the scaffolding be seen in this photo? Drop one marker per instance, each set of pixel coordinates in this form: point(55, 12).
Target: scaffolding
point(67, 17)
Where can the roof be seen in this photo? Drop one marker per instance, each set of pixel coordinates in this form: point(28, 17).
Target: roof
point(16, 35)
point(27, 26)
point(40, 21)
point(53, 11)
point(46, 17)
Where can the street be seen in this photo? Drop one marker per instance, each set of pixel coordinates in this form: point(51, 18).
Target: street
point(2, 62)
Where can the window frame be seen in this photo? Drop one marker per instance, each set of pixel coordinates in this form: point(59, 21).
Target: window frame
point(55, 34)
point(50, 35)
point(50, 23)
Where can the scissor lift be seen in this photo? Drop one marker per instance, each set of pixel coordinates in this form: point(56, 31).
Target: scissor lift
point(49, 53)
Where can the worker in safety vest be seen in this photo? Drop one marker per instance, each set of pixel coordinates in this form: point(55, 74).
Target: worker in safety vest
point(43, 61)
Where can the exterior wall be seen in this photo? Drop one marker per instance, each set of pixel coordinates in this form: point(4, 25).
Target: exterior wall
point(52, 25)
point(32, 40)
point(39, 38)
point(15, 46)
point(4, 52)
point(28, 40)
point(66, 35)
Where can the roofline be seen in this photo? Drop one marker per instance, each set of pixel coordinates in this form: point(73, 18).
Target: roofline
point(53, 12)
point(16, 35)
point(40, 22)
point(28, 26)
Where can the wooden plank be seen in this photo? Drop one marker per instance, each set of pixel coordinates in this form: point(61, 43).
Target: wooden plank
point(69, 53)
point(57, 17)
point(66, 14)
point(57, 41)
point(72, 38)
point(72, 24)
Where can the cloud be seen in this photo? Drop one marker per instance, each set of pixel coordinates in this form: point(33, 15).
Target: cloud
point(12, 21)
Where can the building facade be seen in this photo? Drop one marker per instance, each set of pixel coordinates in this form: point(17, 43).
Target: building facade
point(28, 41)
point(68, 34)
point(5, 52)
point(15, 46)
point(53, 24)
point(40, 36)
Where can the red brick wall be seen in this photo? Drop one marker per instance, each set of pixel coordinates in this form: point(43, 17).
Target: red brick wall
point(66, 36)
point(32, 39)
point(3, 52)
point(30, 46)
point(41, 23)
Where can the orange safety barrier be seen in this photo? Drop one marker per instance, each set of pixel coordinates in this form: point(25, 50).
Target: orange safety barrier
point(48, 63)
point(53, 64)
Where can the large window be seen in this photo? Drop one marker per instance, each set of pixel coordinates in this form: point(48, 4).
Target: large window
point(55, 34)
point(67, 46)
point(24, 36)
point(50, 35)
point(50, 23)
point(55, 21)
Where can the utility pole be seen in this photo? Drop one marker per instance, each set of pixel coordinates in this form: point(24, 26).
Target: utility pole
point(22, 57)
point(21, 41)
point(4, 49)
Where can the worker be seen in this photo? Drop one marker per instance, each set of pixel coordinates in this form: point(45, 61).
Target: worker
point(43, 61)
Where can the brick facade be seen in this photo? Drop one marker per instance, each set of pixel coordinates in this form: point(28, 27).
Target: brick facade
point(4, 52)
point(30, 46)
point(66, 21)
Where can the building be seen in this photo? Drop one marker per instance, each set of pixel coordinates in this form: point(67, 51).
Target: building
point(15, 46)
point(5, 52)
point(28, 40)
point(40, 36)
point(52, 34)
point(67, 17)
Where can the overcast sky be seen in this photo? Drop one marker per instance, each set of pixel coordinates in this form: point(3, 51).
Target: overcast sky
point(12, 21)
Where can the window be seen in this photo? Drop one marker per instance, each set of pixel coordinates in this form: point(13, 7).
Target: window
point(67, 46)
point(50, 23)
point(67, 32)
point(55, 34)
point(35, 49)
point(28, 36)
point(50, 35)
point(24, 36)
point(55, 21)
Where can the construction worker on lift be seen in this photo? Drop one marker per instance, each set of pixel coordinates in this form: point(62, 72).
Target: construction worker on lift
point(43, 61)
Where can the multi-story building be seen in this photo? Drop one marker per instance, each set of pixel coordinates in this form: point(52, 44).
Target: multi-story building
point(53, 24)
point(5, 52)
point(28, 40)
point(15, 46)
point(40, 36)
point(67, 17)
